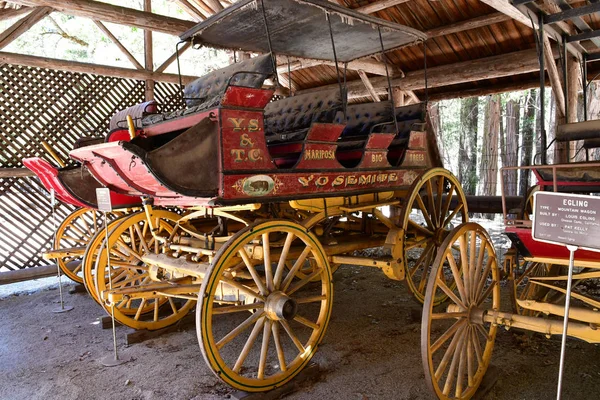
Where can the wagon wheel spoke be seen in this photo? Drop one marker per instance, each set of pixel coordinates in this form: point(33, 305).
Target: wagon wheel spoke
point(288, 309)
point(429, 204)
point(129, 240)
point(456, 344)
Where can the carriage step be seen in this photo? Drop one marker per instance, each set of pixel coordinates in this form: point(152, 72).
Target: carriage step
point(62, 253)
point(369, 206)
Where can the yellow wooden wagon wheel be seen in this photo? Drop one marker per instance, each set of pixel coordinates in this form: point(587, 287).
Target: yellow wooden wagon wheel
point(259, 329)
point(129, 241)
point(456, 343)
point(522, 288)
point(526, 208)
point(427, 218)
point(74, 233)
point(91, 254)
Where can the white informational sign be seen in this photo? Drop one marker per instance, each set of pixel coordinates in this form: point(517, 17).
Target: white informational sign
point(567, 219)
point(103, 199)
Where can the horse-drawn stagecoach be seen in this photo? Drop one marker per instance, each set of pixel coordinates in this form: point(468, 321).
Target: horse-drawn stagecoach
point(276, 195)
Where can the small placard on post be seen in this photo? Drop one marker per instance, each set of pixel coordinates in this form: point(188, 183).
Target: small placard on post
point(567, 219)
point(52, 198)
point(103, 199)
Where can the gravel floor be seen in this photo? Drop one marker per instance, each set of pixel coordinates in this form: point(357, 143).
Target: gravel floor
point(371, 351)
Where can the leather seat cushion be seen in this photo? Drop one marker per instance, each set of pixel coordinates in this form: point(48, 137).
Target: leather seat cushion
point(208, 89)
point(299, 112)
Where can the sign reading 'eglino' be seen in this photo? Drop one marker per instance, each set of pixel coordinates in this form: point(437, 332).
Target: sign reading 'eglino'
point(567, 219)
point(103, 199)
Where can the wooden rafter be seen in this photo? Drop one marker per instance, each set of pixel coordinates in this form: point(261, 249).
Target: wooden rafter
point(379, 5)
point(116, 14)
point(523, 14)
point(515, 63)
point(13, 12)
point(368, 85)
point(23, 25)
point(473, 23)
point(215, 5)
point(120, 45)
point(172, 58)
point(368, 65)
point(557, 88)
point(87, 68)
point(191, 10)
point(205, 9)
point(506, 8)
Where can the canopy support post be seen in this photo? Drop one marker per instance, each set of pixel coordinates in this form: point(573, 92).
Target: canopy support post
point(264, 14)
point(389, 80)
point(337, 67)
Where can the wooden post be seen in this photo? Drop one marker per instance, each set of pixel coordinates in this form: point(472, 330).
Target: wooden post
point(149, 53)
point(564, 151)
point(398, 95)
point(574, 74)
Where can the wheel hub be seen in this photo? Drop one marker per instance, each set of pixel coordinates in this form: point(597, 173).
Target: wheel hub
point(474, 314)
point(439, 236)
point(280, 306)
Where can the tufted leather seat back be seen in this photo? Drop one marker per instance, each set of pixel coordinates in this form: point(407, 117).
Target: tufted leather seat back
point(298, 112)
point(137, 112)
point(360, 118)
point(407, 116)
point(208, 89)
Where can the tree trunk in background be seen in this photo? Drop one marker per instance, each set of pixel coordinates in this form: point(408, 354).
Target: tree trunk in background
point(527, 139)
point(551, 129)
point(433, 110)
point(593, 112)
point(574, 73)
point(508, 147)
point(467, 148)
point(564, 152)
point(489, 154)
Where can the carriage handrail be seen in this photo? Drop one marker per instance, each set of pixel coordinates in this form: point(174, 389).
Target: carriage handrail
point(554, 169)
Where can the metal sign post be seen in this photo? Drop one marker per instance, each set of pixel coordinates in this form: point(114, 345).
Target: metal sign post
point(105, 206)
point(62, 301)
point(572, 221)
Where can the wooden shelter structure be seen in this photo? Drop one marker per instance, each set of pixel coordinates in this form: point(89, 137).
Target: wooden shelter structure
point(474, 48)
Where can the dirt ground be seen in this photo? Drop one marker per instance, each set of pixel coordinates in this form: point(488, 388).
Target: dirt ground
point(371, 351)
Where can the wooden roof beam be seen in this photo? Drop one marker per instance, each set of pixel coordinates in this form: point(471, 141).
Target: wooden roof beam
point(379, 5)
point(203, 8)
point(557, 88)
point(86, 68)
point(368, 65)
point(508, 9)
point(116, 14)
point(215, 5)
point(23, 25)
point(191, 10)
point(365, 79)
point(14, 12)
point(473, 23)
point(120, 45)
point(502, 65)
point(522, 14)
point(173, 57)
point(487, 90)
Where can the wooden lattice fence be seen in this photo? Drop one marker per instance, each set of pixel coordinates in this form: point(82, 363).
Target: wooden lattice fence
point(57, 107)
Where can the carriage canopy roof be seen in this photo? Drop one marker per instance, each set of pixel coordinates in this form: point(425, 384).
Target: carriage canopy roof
point(299, 28)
